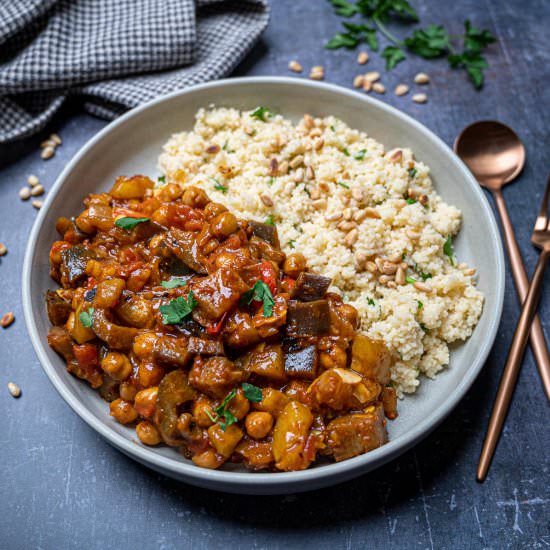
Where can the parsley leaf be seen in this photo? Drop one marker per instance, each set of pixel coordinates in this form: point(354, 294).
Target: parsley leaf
point(423, 327)
point(175, 282)
point(221, 412)
point(476, 40)
point(371, 302)
point(178, 309)
point(291, 243)
point(409, 280)
point(129, 223)
point(344, 8)
point(261, 113)
point(360, 155)
point(393, 56)
point(260, 292)
point(218, 186)
point(162, 179)
point(269, 220)
point(383, 9)
point(345, 151)
point(342, 40)
point(410, 200)
point(448, 250)
point(86, 317)
point(419, 304)
point(473, 62)
point(424, 276)
point(341, 183)
point(252, 393)
point(431, 42)
point(412, 173)
point(354, 35)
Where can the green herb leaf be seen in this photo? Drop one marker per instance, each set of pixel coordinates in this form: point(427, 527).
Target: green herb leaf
point(344, 8)
point(431, 42)
point(271, 180)
point(448, 250)
point(364, 33)
point(174, 282)
point(342, 40)
point(473, 62)
point(476, 40)
point(269, 220)
point(371, 302)
point(291, 243)
point(412, 173)
point(342, 184)
point(409, 280)
point(423, 327)
point(393, 56)
point(252, 393)
point(178, 309)
point(162, 179)
point(410, 200)
point(86, 317)
point(424, 276)
point(260, 292)
point(360, 155)
point(130, 223)
point(262, 113)
point(221, 412)
point(419, 304)
point(384, 9)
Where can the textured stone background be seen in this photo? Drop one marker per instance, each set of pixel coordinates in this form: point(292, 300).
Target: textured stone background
point(64, 487)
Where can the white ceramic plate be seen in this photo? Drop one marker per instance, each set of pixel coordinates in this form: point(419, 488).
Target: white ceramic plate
point(131, 145)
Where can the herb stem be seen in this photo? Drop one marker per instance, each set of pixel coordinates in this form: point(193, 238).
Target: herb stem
point(382, 28)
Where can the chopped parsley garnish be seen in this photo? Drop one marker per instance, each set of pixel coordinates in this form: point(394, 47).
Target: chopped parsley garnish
point(260, 292)
point(360, 155)
point(226, 147)
point(345, 185)
point(412, 173)
point(419, 304)
point(218, 186)
point(261, 113)
point(371, 302)
point(345, 151)
point(409, 280)
point(332, 128)
point(448, 250)
point(221, 412)
point(269, 220)
point(178, 309)
point(411, 200)
point(424, 276)
point(130, 223)
point(252, 393)
point(175, 282)
point(423, 327)
point(162, 179)
point(291, 243)
point(86, 317)
point(271, 180)
point(393, 56)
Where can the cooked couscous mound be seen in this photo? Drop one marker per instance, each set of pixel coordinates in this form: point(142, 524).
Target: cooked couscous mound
point(366, 217)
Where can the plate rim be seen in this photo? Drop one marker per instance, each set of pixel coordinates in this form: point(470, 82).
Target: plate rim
point(282, 481)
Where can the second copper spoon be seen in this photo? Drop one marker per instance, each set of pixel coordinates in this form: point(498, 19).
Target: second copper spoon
point(495, 155)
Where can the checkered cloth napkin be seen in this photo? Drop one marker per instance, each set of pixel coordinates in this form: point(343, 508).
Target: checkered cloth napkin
point(115, 54)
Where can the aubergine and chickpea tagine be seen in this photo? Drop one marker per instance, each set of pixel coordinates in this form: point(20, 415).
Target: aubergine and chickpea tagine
point(198, 329)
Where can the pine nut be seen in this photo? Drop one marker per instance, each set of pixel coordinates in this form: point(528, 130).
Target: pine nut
point(367, 85)
point(423, 200)
point(318, 144)
point(248, 130)
point(401, 89)
point(283, 168)
point(37, 190)
point(48, 143)
point(384, 279)
point(37, 204)
point(357, 194)
point(14, 389)
point(47, 153)
point(213, 149)
point(423, 287)
point(346, 226)
point(316, 132)
point(413, 235)
point(309, 123)
point(372, 76)
point(397, 156)
point(359, 216)
point(358, 81)
point(296, 161)
point(371, 266)
point(400, 276)
point(56, 139)
point(422, 78)
point(32, 180)
point(388, 268)
point(347, 214)
point(395, 257)
point(360, 258)
point(333, 217)
point(320, 204)
point(7, 319)
point(379, 88)
point(420, 98)
point(372, 213)
point(469, 272)
point(379, 263)
point(24, 193)
point(391, 284)
point(317, 73)
point(310, 173)
point(315, 194)
point(3, 249)
point(362, 58)
point(295, 66)
point(266, 200)
point(299, 175)
point(351, 237)
point(462, 265)
point(273, 166)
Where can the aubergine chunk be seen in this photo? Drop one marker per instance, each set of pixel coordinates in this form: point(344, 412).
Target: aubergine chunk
point(218, 293)
point(308, 318)
point(266, 232)
point(172, 351)
point(58, 308)
point(310, 287)
point(206, 346)
point(115, 336)
point(61, 342)
point(174, 390)
point(302, 363)
point(73, 264)
point(262, 250)
point(183, 244)
point(214, 376)
point(266, 360)
point(354, 434)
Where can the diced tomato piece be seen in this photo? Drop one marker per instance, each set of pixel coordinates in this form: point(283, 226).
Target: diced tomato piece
point(91, 283)
point(216, 328)
point(268, 275)
point(86, 355)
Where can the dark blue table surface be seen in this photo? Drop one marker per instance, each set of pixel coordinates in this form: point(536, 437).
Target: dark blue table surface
point(64, 487)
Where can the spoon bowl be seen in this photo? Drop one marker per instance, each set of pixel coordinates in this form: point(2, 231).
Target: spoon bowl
point(492, 151)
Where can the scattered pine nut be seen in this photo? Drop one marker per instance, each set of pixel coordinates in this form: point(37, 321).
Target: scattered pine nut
point(14, 389)
point(48, 143)
point(213, 149)
point(333, 217)
point(371, 267)
point(32, 180)
point(358, 81)
point(422, 78)
point(469, 272)
point(37, 204)
point(413, 235)
point(362, 58)
point(367, 85)
point(423, 287)
point(372, 76)
point(351, 238)
point(401, 89)
point(379, 88)
point(372, 213)
point(3, 249)
point(309, 123)
point(400, 278)
point(37, 190)
point(7, 319)
point(47, 153)
point(56, 139)
point(24, 193)
point(294, 66)
point(266, 200)
point(420, 98)
point(317, 72)
point(397, 156)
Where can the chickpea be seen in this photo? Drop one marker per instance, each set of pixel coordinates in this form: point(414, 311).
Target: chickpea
point(225, 259)
point(224, 224)
point(149, 374)
point(208, 459)
point(212, 209)
point(195, 197)
point(239, 405)
point(169, 192)
point(127, 391)
point(258, 424)
point(122, 411)
point(147, 433)
point(116, 365)
point(294, 264)
point(145, 401)
point(201, 408)
point(349, 313)
point(143, 345)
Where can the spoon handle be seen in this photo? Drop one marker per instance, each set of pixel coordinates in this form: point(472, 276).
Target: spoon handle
point(511, 370)
point(538, 342)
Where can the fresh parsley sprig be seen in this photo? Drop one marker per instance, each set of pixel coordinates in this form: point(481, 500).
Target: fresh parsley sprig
point(448, 250)
point(178, 309)
point(223, 416)
point(130, 223)
point(260, 293)
point(262, 113)
point(174, 282)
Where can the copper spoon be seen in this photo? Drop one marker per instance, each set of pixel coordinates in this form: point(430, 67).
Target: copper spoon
point(541, 239)
point(495, 155)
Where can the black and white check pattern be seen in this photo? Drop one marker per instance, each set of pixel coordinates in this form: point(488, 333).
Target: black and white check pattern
point(116, 54)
